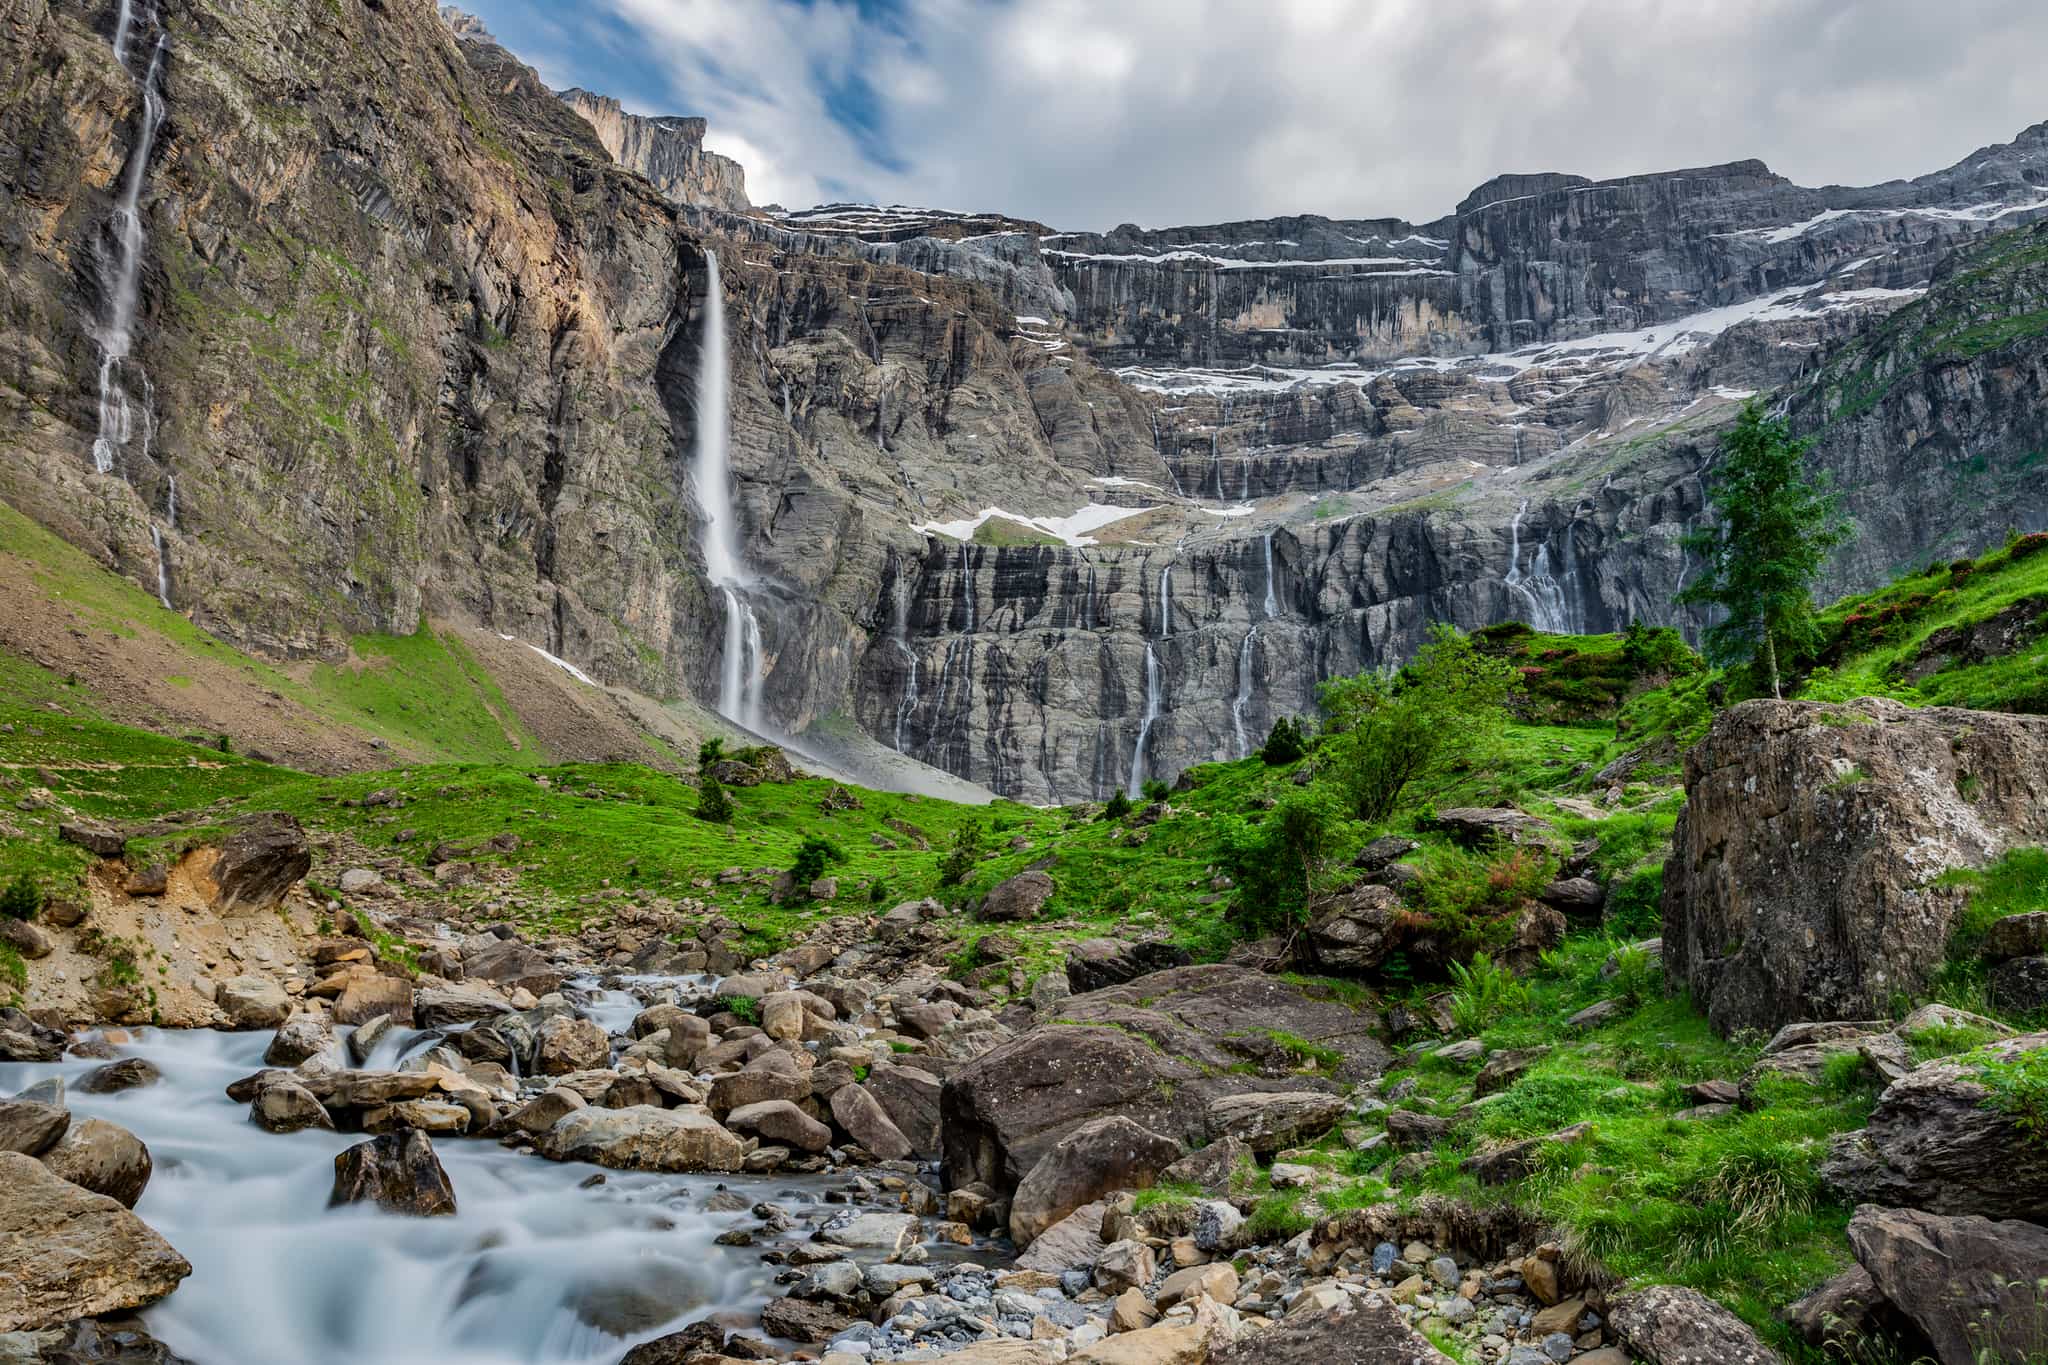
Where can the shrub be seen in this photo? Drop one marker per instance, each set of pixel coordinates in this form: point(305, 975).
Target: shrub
point(813, 855)
point(1276, 862)
point(878, 891)
point(1483, 993)
point(714, 803)
point(966, 852)
point(1155, 789)
point(1285, 743)
point(22, 899)
point(744, 1008)
point(1117, 807)
point(2017, 1086)
point(1650, 649)
point(709, 753)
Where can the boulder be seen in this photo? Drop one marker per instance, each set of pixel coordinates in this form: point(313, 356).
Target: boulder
point(26, 939)
point(1669, 1325)
point(1018, 898)
point(285, 1106)
point(643, 1138)
point(31, 1127)
point(803, 1319)
point(398, 1172)
point(1849, 1319)
point(1217, 1280)
point(1210, 1167)
point(1489, 826)
point(889, 1233)
point(252, 1002)
point(130, 1073)
point(94, 837)
point(1268, 1121)
point(779, 1121)
point(1409, 1130)
point(1574, 896)
point(1097, 1158)
point(1073, 1243)
point(1974, 1287)
point(1805, 874)
point(1175, 1343)
point(1123, 1266)
point(298, 1038)
point(910, 1097)
point(102, 1157)
point(445, 1006)
point(69, 1253)
point(570, 1044)
point(1366, 1331)
point(366, 997)
point(259, 863)
point(2020, 986)
point(1096, 963)
point(771, 1076)
point(865, 1121)
point(545, 1111)
point(2021, 935)
point(511, 965)
point(1353, 932)
point(1933, 1143)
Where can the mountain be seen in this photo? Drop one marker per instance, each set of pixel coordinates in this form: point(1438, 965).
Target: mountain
point(331, 323)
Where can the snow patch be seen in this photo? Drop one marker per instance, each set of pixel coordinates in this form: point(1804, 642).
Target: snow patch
point(1072, 530)
point(572, 670)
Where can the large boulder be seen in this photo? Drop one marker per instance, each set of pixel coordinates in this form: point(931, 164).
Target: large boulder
point(366, 997)
point(1934, 1143)
point(67, 1253)
point(570, 1044)
point(1019, 898)
point(1100, 1157)
point(397, 1172)
point(31, 1127)
point(102, 1157)
point(1096, 963)
point(1367, 1331)
point(259, 863)
point(1267, 1121)
point(1353, 932)
point(1973, 1286)
point(1669, 1325)
point(864, 1120)
point(779, 1121)
point(252, 1002)
point(643, 1138)
point(1804, 879)
point(509, 965)
point(909, 1096)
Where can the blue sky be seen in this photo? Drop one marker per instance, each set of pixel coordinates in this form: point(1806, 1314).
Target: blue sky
point(1087, 113)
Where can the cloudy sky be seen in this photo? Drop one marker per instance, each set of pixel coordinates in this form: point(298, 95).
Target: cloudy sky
point(1088, 113)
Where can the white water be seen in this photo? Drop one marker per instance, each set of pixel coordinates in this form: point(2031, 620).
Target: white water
point(122, 25)
point(516, 1277)
point(909, 702)
point(163, 568)
point(1272, 600)
point(122, 274)
point(1138, 773)
point(739, 693)
point(1244, 691)
point(1539, 589)
point(171, 501)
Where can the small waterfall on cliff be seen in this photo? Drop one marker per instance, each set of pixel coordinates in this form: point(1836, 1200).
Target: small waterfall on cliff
point(163, 567)
point(739, 693)
point(1272, 599)
point(908, 702)
point(1244, 657)
point(1539, 588)
point(1139, 755)
point(121, 268)
point(122, 25)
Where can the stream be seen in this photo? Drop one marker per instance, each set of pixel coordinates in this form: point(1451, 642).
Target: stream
point(533, 1268)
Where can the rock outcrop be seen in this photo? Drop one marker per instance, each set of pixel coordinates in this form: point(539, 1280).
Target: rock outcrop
point(70, 1253)
point(1974, 1286)
point(668, 150)
point(1804, 881)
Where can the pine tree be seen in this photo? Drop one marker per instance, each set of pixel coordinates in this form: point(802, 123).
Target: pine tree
point(1773, 529)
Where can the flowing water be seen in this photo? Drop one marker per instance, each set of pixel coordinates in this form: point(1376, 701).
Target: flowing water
point(1244, 690)
point(1539, 589)
point(163, 568)
point(533, 1269)
point(121, 266)
point(1140, 757)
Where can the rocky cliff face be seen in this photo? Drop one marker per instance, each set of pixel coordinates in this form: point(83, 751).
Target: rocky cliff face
point(407, 339)
point(668, 151)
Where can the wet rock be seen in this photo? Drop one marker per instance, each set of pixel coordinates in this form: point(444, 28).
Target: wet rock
point(864, 1120)
point(91, 1341)
point(782, 1122)
point(570, 1044)
point(511, 965)
point(252, 1002)
point(299, 1037)
point(1019, 898)
point(31, 1127)
point(1793, 893)
point(643, 1139)
point(130, 1073)
point(70, 1253)
point(1669, 1325)
point(285, 1106)
point(1971, 1284)
point(538, 1115)
point(425, 1116)
point(1269, 1121)
point(889, 1233)
point(258, 864)
point(367, 997)
point(1095, 1159)
point(1933, 1143)
point(398, 1172)
point(909, 1096)
point(102, 1157)
point(445, 1006)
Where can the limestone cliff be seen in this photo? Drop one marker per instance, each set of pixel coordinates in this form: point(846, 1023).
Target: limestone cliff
point(669, 151)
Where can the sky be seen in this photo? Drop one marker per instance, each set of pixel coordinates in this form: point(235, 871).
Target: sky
point(1088, 113)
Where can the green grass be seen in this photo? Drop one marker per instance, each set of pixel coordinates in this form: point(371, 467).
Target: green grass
point(2014, 884)
point(427, 692)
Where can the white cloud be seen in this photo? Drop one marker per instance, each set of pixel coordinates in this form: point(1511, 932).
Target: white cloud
point(1084, 114)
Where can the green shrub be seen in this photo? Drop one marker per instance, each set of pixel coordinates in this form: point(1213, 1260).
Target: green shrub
point(1155, 789)
point(960, 859)
point(813, 856)
point(714, 803)
point(744, 1008)
point(1649, 650)
point(1276, 862)
point(1286, 742)
point(1484, 992)
point(709, 753)
point(2017, 1086)
point(1634, 903)
point(22, 899)
point(878, 891)
point(1117, 807)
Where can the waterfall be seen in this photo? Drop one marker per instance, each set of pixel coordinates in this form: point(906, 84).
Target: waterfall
point(171, 500)
point(121, 271)
point(1165, 601)
point(1539, 590)
point(739, 693)
point(125, 22)
point(1244, 691)
point(1138, 766)
point(1244, 478)
point(1272, 601)
point(1574, 585)
point(163, 568)
point(967, 597)
point(906, 704)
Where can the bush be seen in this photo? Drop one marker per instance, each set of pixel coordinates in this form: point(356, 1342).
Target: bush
point(878, 891)
point(22, 900)
point(713, 802)
point(1446, 711)
point(709, 753)
point(1656, 649)
point(813, 855)
point(1275, 863)
point(966, 852)
point(1117, 807)
point(1285, 743)
point(1155, 789)
point(1483, 993)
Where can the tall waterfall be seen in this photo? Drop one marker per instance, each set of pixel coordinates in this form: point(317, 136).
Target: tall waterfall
point(739, 692)
point(121, 268)
point(163, 568)
point(1244, 657)
point(908, 702)
point(1140, 756)
point(1539, 588)
point(1272, 598)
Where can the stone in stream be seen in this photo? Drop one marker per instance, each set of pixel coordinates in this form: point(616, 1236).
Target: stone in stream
point(102, 1157)
point(70, 1253)
point(398, 1172)
point(643, 1139)
point(130, 1073)
point(369, 997)
point(285, 1106)
point(510, 965)
point(544, 1112)
point(298, 1038)
point(855, 1110)
point(570, 1044)
point(252, 1002)
point(31, 1127)
point(1098, 1158)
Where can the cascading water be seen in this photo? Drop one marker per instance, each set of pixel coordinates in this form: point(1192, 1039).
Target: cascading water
point(121, 268)
point(1272, 597)
point(1539, 589)
point(1140, 756)
point(908, 702)
point(739, 692)
point(122, 25)
point(1244, 657)
point(163, 568)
